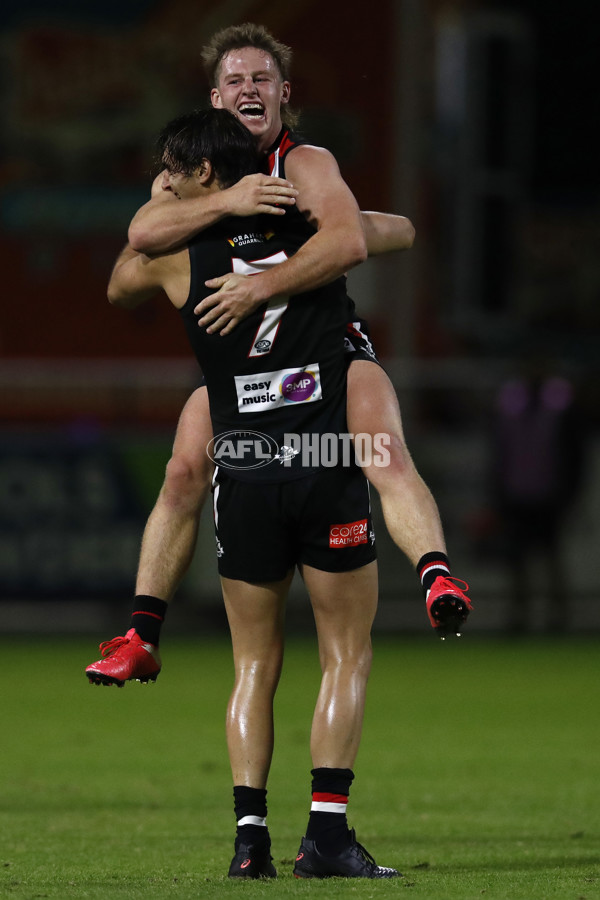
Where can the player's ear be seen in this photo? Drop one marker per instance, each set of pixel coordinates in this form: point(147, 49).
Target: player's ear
point(205, 171)
point(286, 89)
point(215, 99)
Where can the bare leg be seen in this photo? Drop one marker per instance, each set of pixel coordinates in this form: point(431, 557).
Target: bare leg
point(170, 535)
point(256, 616)
point(344, 606)
point(410, 511)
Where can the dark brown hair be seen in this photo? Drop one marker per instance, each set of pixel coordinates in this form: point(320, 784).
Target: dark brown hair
point(213, 134)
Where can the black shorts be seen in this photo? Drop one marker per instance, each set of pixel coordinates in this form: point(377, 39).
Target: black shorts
point(322, 520)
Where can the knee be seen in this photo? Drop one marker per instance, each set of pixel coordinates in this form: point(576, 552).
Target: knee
point(259, 674)
point(352, 660)
point(356, 668)
point(186, 482)
point(362, 661)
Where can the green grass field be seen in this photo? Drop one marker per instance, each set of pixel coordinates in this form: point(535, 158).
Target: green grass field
point(478, 776)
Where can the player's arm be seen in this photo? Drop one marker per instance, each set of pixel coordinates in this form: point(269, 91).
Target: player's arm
point(385, 232)
point(161, 226)
point(135, 278)
point(337, 246)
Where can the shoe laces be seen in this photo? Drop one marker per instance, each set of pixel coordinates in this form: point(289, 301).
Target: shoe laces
point(447, 587)
point(362, 850)
point(450, 583)
point(109, 648)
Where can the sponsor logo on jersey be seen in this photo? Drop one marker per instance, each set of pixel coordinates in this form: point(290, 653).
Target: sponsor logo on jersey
point(349, 535)
point(262, 346)
point(299, 387)
point(269, 390)
point(251, 237)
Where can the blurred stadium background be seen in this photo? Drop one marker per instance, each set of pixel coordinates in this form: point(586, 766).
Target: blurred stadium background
point(472, 118)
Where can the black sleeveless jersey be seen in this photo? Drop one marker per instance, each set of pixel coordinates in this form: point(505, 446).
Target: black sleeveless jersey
point(281, 372)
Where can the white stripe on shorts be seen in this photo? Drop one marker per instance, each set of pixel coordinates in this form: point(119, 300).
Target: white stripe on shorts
point(216, 487)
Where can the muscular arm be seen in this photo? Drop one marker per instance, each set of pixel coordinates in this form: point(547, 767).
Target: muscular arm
point(323, 197)
point(338, 245)
point(329, 205)
point(161, 226)
point(133, 279)
point(136, 278)
point(385, 232)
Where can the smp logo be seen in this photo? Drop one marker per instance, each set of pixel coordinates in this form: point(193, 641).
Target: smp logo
point(242, 449)
point(298, 387)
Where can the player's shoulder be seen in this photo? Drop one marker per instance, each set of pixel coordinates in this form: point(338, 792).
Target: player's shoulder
point(310, 156)
point(309, 150)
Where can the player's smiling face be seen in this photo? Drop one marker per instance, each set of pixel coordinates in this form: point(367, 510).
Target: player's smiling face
point(250, 85)
point(186, 187)
point(183, 186)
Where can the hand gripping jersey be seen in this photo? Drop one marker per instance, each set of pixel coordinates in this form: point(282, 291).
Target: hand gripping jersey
point(277, 383)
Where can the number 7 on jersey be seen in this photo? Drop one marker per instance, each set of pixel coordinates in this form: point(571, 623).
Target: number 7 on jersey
point(274, 310)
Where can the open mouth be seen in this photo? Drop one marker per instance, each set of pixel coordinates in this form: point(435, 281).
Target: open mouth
point(251, 110)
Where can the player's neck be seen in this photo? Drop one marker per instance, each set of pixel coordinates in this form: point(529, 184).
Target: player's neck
point(266, 141)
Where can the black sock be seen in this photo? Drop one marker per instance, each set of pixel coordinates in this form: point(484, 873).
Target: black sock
point(430, 567)
point(250, 806)
point(147, 617)
point(327, 824)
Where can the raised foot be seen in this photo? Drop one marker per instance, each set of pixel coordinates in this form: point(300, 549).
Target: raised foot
point(127, 658)
point(448, 606)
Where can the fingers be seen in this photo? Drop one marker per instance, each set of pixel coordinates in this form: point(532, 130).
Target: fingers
point(270, 198)
point(281, 190)
point(276, 210)
point(276, 183)
point(275, 204)
point(276, 190)
point(215, 319)
point(205, 305)
point(212, 316)
point(205, 310)
point(218, 322)
point(224, 325)
point(217, 282)
point(261, 194)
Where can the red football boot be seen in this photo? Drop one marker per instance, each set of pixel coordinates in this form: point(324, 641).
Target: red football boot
point(125, 659)
point(447, 605)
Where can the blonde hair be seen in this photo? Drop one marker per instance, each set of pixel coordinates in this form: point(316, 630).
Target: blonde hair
point(249, 35)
